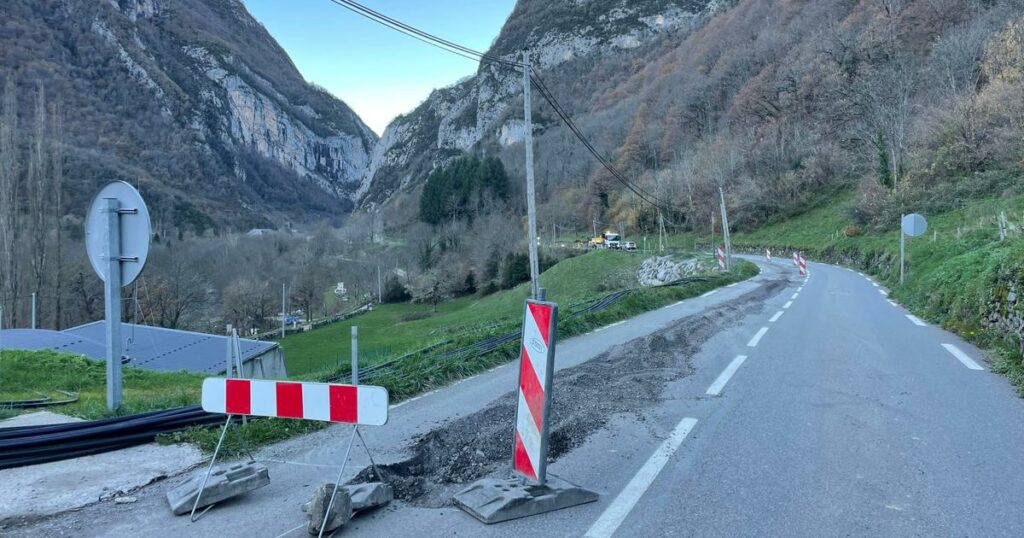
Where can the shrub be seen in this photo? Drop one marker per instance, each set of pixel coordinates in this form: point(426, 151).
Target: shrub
point(395, 291)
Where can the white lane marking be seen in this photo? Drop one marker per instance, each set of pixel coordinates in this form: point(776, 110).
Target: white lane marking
point(860, 273)
point(883, 292)
point(616, 513)
point(962, 357)
point(916, 320)
point(793, 298)
point(757, 337)
point(716, 388)
point(599, 329)
point(788, 304)
point(801, 288)
point(733, 284)
point(894, 304)
point(712, 292)
point(776, 317)
point(875, 284)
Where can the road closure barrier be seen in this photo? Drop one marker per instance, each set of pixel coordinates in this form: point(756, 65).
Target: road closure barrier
point(326, 402)
point(802, 265)
point(720, 254)
point(492, 500)
point(796, 259)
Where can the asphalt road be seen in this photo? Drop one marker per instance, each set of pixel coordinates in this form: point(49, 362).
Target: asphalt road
point(844, 417)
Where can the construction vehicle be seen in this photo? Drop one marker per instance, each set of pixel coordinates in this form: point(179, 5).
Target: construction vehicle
point(608, 239)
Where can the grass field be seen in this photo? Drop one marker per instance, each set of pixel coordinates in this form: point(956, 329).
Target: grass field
point(30, 374)
point(391, 330)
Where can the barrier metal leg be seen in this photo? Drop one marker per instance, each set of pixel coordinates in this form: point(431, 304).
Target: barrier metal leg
point(209, 470)
point(373, 464)
point(344, 462)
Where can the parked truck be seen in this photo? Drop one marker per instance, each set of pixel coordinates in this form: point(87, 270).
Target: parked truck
point(608, 239)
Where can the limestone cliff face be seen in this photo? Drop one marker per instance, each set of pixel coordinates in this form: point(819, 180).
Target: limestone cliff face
point(478, 110)
point(194, 101)
point(251, 119)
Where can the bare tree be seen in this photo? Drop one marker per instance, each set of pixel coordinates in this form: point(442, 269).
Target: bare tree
point(39, 189)
point(10, 225)
point(57, 170)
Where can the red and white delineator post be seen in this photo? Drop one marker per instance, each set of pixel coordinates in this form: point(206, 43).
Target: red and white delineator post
point(327, 402)
point(803, 265)
point(495, 500)
point(796, 259)
point(768, 254)
point(720, 254)
point(536, 368)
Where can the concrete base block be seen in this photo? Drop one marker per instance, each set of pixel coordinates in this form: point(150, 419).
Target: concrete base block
point(224, 483)
point(370, 495)
point(341, 510)
point(494, 500)
point(350, 500)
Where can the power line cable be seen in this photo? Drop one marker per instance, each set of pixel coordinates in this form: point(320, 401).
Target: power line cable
point(421, 35)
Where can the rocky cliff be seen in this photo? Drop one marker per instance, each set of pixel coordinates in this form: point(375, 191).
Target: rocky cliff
point(485, 109)
point(194, 101)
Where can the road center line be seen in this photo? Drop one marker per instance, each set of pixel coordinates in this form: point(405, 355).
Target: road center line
point(916, 320)
point(788, 304)
point(962, 357)
point(793, 298)
point(716, 388)
point(757, 337)
point(776, 317)
point(617, 511)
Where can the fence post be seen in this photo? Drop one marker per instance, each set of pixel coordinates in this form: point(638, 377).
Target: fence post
point(355, 355)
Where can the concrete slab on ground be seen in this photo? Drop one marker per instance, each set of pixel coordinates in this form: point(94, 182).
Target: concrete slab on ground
point(38, 418)
point(35, 491)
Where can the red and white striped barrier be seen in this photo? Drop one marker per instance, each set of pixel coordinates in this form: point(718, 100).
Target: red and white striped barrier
point(803, 265)
point(796, 259)
point(768, 254)
point(720, 254)
point(327, 402)
point(536, 366)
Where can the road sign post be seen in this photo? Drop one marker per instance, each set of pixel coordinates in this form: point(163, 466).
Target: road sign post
point(911, 225)
point(117, 232)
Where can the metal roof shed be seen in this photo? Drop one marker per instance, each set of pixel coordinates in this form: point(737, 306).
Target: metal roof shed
point(157, 348)
point(36, 339)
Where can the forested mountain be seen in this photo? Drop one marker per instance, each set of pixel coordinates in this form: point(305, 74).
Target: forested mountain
point(913, 102)
point(193, 101)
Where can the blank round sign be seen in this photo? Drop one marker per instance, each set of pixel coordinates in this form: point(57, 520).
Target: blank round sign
point(135, 231)
point(914, 225)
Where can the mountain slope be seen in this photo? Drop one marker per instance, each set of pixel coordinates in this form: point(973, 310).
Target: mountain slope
point(194, 101)
point(777, 101)
point(486, 108)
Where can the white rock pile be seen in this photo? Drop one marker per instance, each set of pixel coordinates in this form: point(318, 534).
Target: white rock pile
point(663, 269)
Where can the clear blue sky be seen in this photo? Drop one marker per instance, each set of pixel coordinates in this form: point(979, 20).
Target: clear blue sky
point(379, 72)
